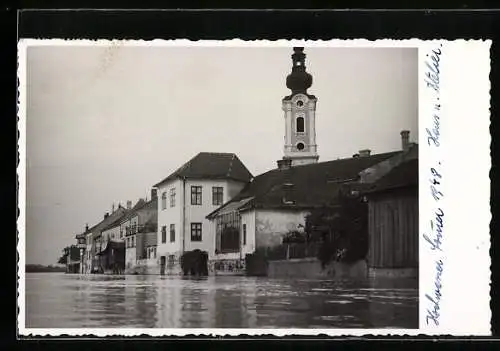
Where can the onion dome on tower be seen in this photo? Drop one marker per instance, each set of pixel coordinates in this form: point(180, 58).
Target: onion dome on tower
point(299, 80)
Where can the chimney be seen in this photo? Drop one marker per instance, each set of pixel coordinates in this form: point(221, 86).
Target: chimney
point(106, 215)
point(405, 140)
point(87, 227)
point(113, 208)
point(364, 153)
point(154, 193)
point(285, 163)
point(129, 205)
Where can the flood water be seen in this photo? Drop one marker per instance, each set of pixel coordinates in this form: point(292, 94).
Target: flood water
point(58, 300)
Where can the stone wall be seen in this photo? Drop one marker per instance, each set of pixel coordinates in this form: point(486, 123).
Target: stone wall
point(227, 267)
point(311, 268)
point(392, 272)
point(145, 266)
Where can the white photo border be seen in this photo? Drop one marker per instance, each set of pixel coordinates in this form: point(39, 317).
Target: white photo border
point(462, 162)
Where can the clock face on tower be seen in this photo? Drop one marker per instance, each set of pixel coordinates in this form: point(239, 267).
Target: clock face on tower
point(299, 101)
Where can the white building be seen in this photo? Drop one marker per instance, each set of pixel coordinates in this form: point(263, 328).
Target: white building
point(187, 196)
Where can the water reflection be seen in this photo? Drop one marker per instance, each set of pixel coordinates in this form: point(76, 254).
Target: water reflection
point(59, 300)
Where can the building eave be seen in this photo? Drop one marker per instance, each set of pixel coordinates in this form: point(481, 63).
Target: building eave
point(166, 180)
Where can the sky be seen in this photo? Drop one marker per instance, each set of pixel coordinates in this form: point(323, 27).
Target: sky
point(104, 124)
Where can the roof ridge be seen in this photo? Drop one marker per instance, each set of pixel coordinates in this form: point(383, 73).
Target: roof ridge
point(217, 153)
point(210, 165)
point(230, 166)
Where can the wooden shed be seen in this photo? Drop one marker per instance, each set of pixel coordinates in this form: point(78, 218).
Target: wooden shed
point(393, 221)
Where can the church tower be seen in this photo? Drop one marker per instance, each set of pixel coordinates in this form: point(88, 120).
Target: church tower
point(300, 113)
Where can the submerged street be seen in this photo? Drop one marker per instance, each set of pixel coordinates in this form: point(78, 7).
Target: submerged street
point(58, 300)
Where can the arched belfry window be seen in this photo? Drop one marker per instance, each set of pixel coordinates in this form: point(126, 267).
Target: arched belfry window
point(300, 124)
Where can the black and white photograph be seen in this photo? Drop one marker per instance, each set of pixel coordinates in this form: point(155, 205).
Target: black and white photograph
point(221, 186)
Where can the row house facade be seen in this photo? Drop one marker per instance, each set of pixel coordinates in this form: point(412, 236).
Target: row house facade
point(104, 247)
point(138, 231)
point(94, 242)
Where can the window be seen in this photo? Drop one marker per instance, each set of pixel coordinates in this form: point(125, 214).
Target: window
point(195, 231)
point(164, 201)
point(172, 233)
point(172, 197)
point(128, 242)
point(228, 232)
point(196, 195)
point(133, 241)
point(300, 124)
point(121, 233)
point(164, 234)
point(154, 252)
point(217, 195)
point(244, 234)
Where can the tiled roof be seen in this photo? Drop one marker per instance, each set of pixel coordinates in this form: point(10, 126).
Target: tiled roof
point(401, 176)
point(96, 230)
point(88, 231)
point(304, 186)
point(118, 216)
point(116, 222)
point(140, 205)
point(210, 165)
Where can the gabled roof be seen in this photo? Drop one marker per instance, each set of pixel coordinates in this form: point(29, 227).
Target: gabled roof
point(116, 222)
point(88, 231)
point(96, 230)
point(140, 205)
point(402, 176)
point(305, 186)
point(209, 165)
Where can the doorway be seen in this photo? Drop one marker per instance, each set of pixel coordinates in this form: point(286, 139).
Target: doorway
point(162, 265)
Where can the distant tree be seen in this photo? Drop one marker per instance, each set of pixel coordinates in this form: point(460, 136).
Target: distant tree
point(195, 263)
point(342, 229)
point(64, 258)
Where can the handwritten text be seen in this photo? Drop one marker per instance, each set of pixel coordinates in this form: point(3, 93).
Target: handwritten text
point(434, 237)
